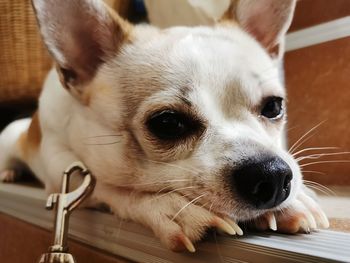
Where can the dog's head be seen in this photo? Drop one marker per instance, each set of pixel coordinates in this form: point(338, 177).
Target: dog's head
point(200, 110)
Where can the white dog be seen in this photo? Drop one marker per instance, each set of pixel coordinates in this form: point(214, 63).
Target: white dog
point(181, 127)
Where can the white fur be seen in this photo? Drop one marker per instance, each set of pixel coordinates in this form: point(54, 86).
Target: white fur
point(8, 141)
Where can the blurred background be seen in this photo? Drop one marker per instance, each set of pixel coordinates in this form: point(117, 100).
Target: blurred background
point(317, 69)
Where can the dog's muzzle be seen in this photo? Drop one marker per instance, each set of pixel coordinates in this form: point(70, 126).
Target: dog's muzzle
point(264, 183)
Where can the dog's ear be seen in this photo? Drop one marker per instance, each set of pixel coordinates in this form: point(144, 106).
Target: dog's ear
point(266, 20)
point(80, 35)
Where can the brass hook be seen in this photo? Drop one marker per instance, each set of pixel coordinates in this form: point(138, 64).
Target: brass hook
point(65, 202)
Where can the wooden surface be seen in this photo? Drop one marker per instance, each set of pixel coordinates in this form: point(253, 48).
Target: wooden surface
point(340, 224)
point(313, 12)
point(21, 242)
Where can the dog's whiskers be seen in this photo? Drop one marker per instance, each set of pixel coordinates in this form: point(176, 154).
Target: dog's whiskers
point(99, 144)
point(170, 186)
point(204, 205)
point(191, 169)
point(329, 161)
point(313, 172)
point(172, 191)
point(319, 155)
point(211, 206)
point(104, 137)
point(107, 135)
point(314, 185)
point(164, 188)
point(314, 149)
point(292, 128)
point(319, 187)
point(304, 138)
point(189, 203)
point(156, 182)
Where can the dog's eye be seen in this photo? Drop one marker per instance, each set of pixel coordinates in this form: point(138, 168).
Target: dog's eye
point(273, 109)
point(170, 125)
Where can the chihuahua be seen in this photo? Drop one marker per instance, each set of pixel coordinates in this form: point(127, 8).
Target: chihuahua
point(182, 127)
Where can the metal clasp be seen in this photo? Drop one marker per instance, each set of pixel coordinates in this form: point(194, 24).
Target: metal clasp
point(64, 203)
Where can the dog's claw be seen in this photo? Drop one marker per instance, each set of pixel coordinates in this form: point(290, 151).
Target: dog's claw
point(323, 220)
point(302, 215)
point(319, 216)
point(311, 220)
point(224, 226)
point(271, 220)
point(8, 176)
point(235, 226)
point(187, 243)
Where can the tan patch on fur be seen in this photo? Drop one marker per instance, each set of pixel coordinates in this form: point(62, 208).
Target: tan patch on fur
point(125, 26)
point(292, 224)
point(228, 18)
point(30, 140)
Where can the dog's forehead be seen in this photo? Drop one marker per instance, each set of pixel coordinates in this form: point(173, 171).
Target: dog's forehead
point(224, 62)
point(219, 57)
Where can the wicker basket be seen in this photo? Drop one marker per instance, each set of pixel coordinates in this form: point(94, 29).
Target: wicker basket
point(24, 61)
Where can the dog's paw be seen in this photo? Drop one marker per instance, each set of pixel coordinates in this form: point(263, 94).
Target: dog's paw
point(302, 216)
point(8, 176)
point(179, 223)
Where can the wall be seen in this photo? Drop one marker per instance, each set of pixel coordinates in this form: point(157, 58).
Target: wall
point(318, 83)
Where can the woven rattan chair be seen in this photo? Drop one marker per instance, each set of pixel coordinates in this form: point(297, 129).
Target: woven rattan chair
point(24, 61)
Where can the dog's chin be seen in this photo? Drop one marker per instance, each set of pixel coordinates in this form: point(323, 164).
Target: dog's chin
point(241, 211)
point(247, 214)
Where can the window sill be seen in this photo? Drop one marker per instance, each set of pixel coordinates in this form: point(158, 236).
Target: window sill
point(136, 243)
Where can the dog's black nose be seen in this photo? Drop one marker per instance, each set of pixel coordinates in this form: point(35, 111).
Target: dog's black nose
point(263, 183)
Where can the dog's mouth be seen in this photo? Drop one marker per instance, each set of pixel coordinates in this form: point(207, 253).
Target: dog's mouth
point(242, 211)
